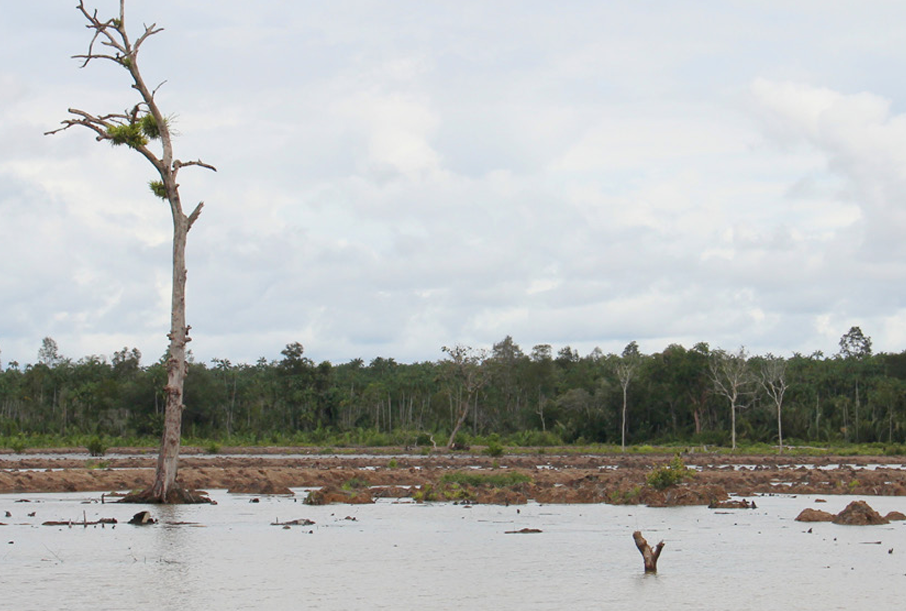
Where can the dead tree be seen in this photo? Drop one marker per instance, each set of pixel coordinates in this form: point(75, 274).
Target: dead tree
point(468, 377)
point(649, 555)
point(733, 380)
point(137, 128)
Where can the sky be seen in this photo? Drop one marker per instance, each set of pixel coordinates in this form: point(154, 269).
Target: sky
point(397, 176)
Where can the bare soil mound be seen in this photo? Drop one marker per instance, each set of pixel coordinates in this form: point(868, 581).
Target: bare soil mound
point(552, 477)
point(859, 513)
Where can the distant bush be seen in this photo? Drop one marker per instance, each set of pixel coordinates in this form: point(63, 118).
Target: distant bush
point(96, 445)
point(18, 444)
point(494, 448)
point(535, 438)
point(670, 474)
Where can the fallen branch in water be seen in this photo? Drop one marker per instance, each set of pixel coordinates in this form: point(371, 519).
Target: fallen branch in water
point(84, 523)
point(299, 522)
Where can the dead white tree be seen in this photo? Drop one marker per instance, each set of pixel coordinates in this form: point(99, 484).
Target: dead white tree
point(732, 379)
point(625, 369)
point(137, 128)
point(772, 379)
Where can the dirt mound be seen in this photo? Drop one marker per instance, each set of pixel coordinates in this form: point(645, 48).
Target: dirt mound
point(687, 494)
point(332, 494)
point(556, 477)
point(859, 513)
point(265, 486)
point(895, 516)
point(815, 515)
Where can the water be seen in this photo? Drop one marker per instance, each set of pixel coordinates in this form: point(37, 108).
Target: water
point(443, 556)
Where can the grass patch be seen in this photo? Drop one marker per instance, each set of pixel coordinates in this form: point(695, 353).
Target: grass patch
point(492, 480)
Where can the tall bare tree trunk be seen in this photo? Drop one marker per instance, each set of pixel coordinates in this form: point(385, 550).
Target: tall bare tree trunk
point(137, 128)
point(177, 368)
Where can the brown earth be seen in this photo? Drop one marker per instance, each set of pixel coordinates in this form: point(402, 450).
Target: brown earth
point(554, 477)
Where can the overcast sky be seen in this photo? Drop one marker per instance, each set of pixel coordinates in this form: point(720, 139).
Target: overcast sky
point(398, 176)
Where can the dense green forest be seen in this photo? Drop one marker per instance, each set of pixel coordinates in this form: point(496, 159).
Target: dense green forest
point(696, 395)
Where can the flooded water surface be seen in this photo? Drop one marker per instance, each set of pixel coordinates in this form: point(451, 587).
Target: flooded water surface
point(442, 556)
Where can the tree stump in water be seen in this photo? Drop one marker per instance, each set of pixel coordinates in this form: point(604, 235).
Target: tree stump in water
point(649, 555)
point(175, 496)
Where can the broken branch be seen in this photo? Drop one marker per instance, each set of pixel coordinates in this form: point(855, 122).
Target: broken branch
point(649, 556)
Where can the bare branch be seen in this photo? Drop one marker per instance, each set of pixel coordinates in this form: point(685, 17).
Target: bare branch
point(154, 93)
point(150, 30)
point(181, 164)
point(194, 216)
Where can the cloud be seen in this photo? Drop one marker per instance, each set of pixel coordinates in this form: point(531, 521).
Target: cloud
point(401, 176)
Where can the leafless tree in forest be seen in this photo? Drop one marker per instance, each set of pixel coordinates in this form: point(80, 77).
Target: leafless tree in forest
point(137, 128)
point(625, 368)
point(772, 378)
point(733, 380)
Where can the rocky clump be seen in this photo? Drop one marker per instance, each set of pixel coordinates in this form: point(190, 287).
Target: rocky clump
point(895, 516)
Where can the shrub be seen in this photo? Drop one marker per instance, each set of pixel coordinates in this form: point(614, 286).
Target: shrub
point(18, 444)
point(96, 445)
point(670, 474)
point(494, 448)
point(354, 483)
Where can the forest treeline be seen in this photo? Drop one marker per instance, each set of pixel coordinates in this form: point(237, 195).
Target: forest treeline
point(685, 395)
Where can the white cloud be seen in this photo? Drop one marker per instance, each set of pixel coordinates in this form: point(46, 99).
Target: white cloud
point(400, 176)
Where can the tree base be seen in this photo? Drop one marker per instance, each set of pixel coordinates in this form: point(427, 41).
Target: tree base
point(175, 496)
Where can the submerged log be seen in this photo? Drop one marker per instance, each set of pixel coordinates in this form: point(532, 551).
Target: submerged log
point(649, 555)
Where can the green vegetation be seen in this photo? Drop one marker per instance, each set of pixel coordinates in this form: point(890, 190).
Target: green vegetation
point(848, 404)
point(354, 483)
point(673, 473)
point(96, 445)
point(462, 485)
point(129, 134)
point(494, 448)
point(492, 480)
point(158, 188)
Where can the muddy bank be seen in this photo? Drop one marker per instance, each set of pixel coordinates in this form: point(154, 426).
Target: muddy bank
point(549, 477)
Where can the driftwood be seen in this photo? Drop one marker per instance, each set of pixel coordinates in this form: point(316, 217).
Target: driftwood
point(83, 522)
point(649, 555)
point(523, 531)
point(299, 522)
